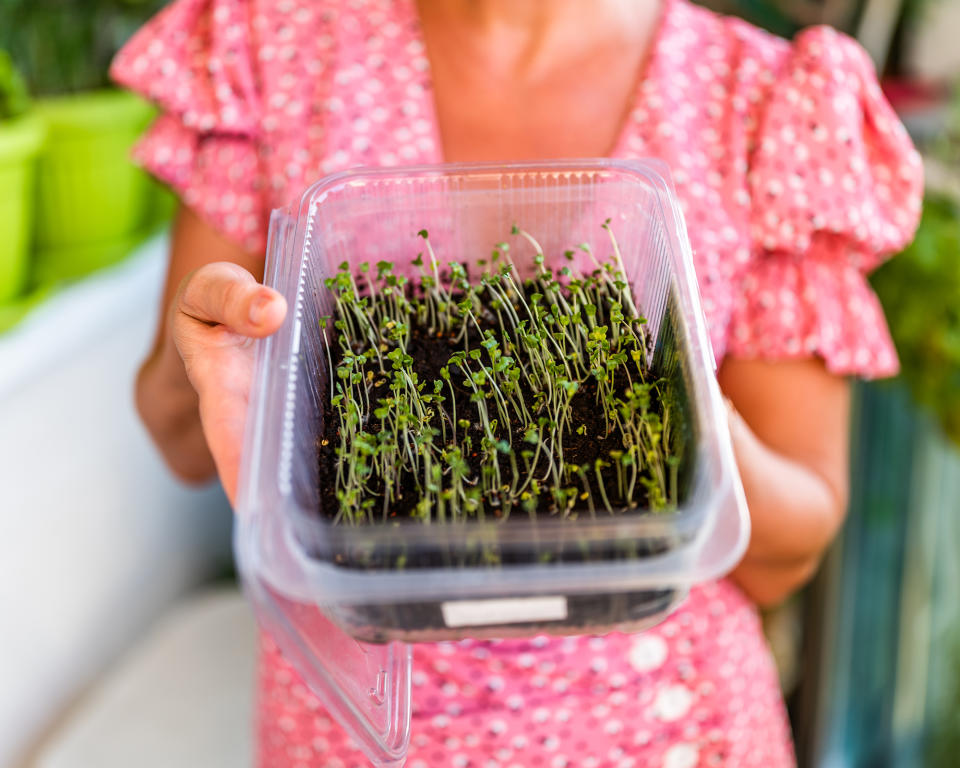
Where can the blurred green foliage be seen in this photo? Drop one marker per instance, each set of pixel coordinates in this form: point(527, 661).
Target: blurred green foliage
point(763, 13)
point(65, 46)
point(920, 291)
point(13, 91)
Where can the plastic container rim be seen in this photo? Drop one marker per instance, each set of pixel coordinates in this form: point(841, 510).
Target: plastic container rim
point(686, 521)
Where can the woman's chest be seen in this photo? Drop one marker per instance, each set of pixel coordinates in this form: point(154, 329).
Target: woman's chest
point(517, 123)
point(558, 85)
point(576, 110)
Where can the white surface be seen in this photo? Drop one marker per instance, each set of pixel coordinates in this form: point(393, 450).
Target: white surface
point(184, 699)
point(86, 310)
point(95, 537)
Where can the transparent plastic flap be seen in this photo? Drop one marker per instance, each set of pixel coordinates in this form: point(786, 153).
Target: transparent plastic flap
point(364, 686)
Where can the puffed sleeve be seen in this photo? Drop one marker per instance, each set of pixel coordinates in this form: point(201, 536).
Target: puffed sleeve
point(194, 61)
point(835, 185)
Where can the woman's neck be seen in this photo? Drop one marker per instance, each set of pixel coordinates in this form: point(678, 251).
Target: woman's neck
point(525, 14)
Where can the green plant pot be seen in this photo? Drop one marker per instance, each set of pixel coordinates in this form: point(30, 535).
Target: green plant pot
point(20, 141)
point(92, 201)
point(165, 204)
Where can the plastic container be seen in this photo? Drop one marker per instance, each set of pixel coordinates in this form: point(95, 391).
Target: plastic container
point(93, 203)
point(317, 607)
point(20, 141)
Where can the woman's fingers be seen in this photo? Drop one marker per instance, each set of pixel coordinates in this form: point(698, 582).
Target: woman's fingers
point(219, 309)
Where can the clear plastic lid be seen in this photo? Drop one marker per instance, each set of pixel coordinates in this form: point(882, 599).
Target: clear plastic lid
point(317, 607)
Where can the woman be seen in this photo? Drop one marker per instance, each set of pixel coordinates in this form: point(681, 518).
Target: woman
point(795, 178)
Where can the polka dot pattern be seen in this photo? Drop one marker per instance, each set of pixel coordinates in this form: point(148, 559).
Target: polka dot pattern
point(795, 179)
point(708, 698)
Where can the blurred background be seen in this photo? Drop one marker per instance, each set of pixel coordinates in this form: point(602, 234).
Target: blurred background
point(124, 641)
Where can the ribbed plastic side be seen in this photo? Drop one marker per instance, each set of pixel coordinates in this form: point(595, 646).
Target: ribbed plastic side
point(366, 687)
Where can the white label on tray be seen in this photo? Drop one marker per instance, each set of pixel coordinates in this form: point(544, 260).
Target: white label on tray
point(511, 610)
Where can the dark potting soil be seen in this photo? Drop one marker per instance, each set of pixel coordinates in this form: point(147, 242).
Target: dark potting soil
point(430, 354)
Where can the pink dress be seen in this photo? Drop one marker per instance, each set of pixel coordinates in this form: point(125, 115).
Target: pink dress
point(795, 177)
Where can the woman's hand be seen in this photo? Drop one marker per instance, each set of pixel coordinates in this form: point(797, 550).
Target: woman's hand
point(790, 425)
point(192, 389)
point(219, 310)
